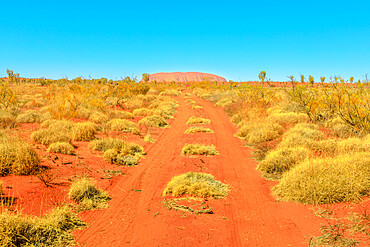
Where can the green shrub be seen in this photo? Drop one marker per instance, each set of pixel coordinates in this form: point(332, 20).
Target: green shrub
point(196, 184)
point(329, 180)
point(154, 121)
point(52, 230)
point(198, 120)
point(62, 148)
point(198, 149)
point(87, 195)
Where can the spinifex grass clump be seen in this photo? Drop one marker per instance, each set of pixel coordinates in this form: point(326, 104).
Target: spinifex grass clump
point(121, 114)
point(198, 120)
point(84, 131)
point(17, 157)
point(288, 118)
point(154, 121)
point(62, 148)
point(281, 160)
point(7, 120)
point(143, 112)
point(329, 180)
point(87, 195)
point(305, 135)
point(259, 132)
point(52, 230)
point(123, 125)
point(199, 149)
point(196, 184)
point(105, 144)
point(32, 116)
point(197, 129)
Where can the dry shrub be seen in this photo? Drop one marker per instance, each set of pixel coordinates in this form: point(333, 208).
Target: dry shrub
point(87, 195)
point(98, 117)
point(154, 121)
point(197, 129)
point(31, 116)
point(302, 134)
point(198, 120)
point(170, 92)
point(196, 184)
point(123, 125)
point(195, 149)
point(190, 101)
point(114, 157)
point(84, 131)
point(53, 230)
point(121, 114)
point(224, 102)
point(164, 106)
point(353, 144)
point(62, 148)
point(105, 144)
point(257, 132)
point(49, 136)
point(143, 112)
point(7, 120)
point(187, 95)
point(83, 113)
point(134, 103)
point(329, 180)
point(17, 157)
point(281, 160)
point(148, 138)
point(288, 118)
point(341, 128)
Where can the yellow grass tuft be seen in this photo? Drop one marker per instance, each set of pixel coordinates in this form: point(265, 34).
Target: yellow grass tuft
point(353, 144)
point(62, 148)
point(32, 116)
point(199, 149)
point(305, 135)
point(329, 180)
point(84, 131)
point(143, 112)
point(224, 102)
point(121, 114)
point(196, 184)
point(197, 129)
point(198, 120)
point(1, 187)
point(154, 121)
point(7, 120)
point(148, 138)
point(257, 132)
point(123, 125)
point(87, 195)
point(48, 136)
point(105, 144)
point(288, 118)
point(98, 117)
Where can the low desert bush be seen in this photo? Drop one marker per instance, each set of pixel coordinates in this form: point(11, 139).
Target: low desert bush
point(170, 92)
point(17, 157)
point(154, 121)
point(329, 180)
point(143, 112)
point(302, 134)
point(196, 107)
point(54, 229)
point(148, 138)
point(84, 131)
point(62, 148)
point(197, 129)
point(198, 120)
point(199, 149)
point(288, 118)
point(105, 144)
point(98, 117)
point(254, 132)
point(30, 116)
point(121, 114)
point(83, 113)
point(353, 144)
point(224, 102)
point(49, 136)
point(123, 125)
point(196, 184)
point(134, 103)
point(114, 157)
point(281, 160)
point(7, 120)
point(87, 195)
point(340, 128)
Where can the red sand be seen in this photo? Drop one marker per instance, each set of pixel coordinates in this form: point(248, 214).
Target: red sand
point(248, 216)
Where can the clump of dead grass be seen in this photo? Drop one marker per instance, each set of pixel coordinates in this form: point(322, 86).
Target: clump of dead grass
point(329, 180)
point(7, 120)
point(154, 121)
point(87, 195)
point(198, 129)
point(302, 134)
point(143, 112)
point(257, 132)
point(198, 120)
point(121, 114)
point(288, 118)
point(32, 116)
point(196, 184)
point(148, 138)
point(84, 131)
point(123, 125)
point(62, 148)
point(199, 149)
point(105, 144)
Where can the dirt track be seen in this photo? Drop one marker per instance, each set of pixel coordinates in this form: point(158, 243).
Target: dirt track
point(248, 216)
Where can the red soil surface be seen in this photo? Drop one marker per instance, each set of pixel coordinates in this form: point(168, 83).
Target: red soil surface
point(185, 77)
point(248, 216)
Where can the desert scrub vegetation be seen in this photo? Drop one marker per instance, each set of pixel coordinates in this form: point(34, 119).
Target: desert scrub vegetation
point(1, 187)
point(54, 229)
point(198, 129)
point(32, 116)
point(122, 125)
point(7, 119)
point(198, 120)
point(143, 112)
point(256, 132)
point(62, 148)
point(121, 114)
point(329, 180)
point(199, 149)
point(280, 160)
point(17, 157)
point(288, 118)
point(148, 138)
point(196, 184)
point(302, 134)
point(84, 131)
point(85, 193)
point(154, 121)
point(105, 144)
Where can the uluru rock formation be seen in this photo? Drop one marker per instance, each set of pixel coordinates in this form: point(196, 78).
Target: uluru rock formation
point(185, 77)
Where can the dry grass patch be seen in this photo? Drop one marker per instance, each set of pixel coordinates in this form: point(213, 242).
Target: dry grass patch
point(1, 187)
point(32, 116)
point(123, 125)
point(84, 131)
point(198, 129)
point(105, 144)
point(52, 230)
point(121, 114)
point(305, 135)
point(254, 132)
point(198, 120)
point(351, 145)
point(199, 149)
point(7, 120)
point(224, 102)
point(329, 180)
point(48, 136)
point(62, 148)
point(196, 184)
point(154, 121)
point(87, 195)
point(113, 156)
point(143, 112)
point(288, 118)
point(98, 117)
point(281, 160)
point(148, 138)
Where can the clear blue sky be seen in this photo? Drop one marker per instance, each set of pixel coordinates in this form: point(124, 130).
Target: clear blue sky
point(233, 39)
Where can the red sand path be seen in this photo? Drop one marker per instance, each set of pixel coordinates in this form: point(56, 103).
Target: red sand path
point(248, 216)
